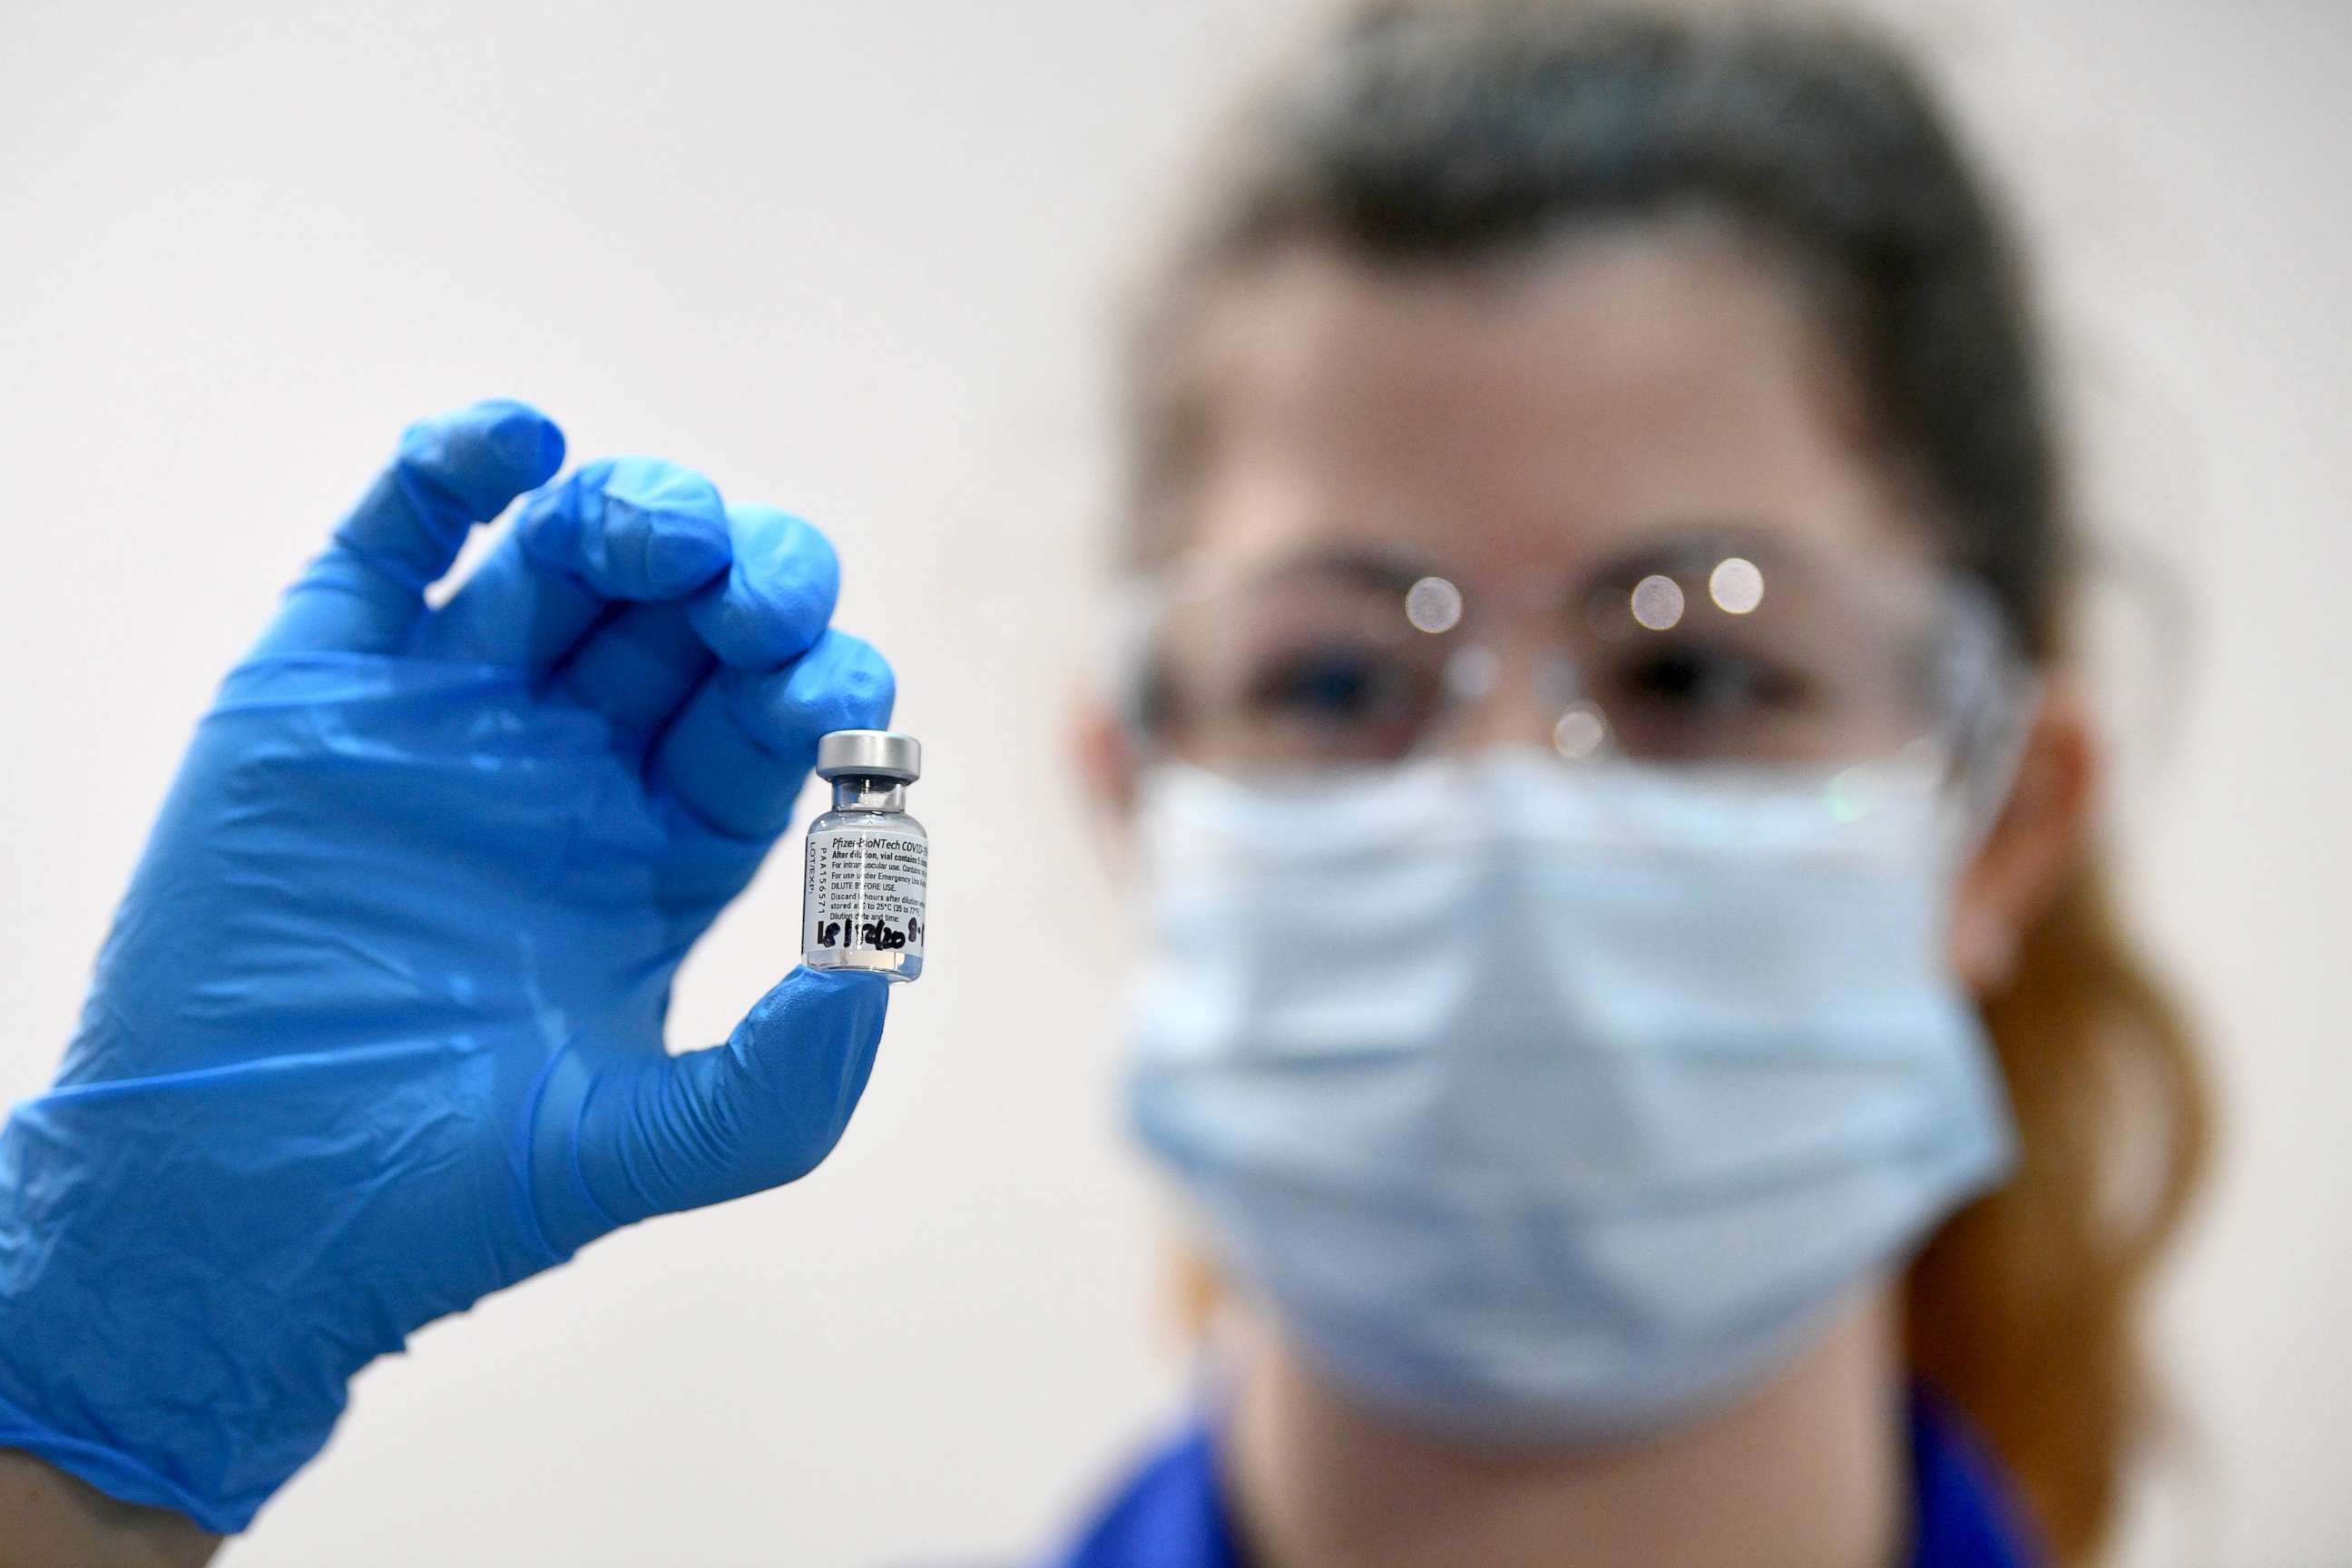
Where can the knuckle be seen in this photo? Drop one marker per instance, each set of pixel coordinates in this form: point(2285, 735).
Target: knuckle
point(656, 486)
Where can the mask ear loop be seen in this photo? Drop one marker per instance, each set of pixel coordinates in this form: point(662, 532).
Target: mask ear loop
point(2133, 636)
point(1133, 611)
point(1989, 750)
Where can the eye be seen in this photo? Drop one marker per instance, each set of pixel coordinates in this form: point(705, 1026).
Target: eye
point(1334, 686)
point(1698, 681)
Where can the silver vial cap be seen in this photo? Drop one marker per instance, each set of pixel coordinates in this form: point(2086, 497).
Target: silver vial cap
point(870, 753)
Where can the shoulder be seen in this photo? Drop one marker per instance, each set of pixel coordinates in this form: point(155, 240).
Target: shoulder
point(1967, 1514)
point(1169, 1513)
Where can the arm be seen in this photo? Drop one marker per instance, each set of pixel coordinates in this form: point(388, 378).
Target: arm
point(47, 1517)
point(379, 1027)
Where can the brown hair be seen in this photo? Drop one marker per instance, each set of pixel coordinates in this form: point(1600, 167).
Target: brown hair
point(1441, 132)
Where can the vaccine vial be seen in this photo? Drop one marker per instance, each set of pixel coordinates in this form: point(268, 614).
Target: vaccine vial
point(868, 861)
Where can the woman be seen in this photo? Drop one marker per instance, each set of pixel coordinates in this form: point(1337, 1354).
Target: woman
point(1631, 1002)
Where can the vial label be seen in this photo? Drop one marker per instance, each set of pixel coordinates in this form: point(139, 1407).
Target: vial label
point(866, 890)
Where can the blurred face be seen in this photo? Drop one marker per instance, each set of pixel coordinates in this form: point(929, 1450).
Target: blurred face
point(1616, 495)
point(1549, 1096)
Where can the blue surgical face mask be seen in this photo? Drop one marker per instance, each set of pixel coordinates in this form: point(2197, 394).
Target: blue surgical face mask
point(1558, 1102)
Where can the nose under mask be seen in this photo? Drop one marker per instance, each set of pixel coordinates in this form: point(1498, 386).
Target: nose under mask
point(1555, 1102)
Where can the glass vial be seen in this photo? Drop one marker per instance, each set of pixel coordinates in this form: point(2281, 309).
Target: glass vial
point(868, 861)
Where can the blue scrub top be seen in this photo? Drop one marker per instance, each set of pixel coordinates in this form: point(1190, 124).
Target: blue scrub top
point(1172, 1513)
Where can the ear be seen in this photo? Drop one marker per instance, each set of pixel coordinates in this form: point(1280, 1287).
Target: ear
point(1106, 761)
point(2040, 836)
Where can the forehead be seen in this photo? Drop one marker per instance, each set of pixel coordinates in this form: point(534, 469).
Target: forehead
point(1571, 403)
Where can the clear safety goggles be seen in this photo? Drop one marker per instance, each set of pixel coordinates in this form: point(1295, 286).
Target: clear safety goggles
point(1699, 651)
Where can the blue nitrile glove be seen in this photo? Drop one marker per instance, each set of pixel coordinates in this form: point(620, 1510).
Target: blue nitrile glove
point(378, 1029)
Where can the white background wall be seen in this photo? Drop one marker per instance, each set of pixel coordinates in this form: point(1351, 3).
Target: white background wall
point(861, 260)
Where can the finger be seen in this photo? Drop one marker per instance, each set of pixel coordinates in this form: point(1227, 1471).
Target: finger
point(778, 592)
point(615, 531)
point(743, 744)
point(765, 1109)
point(638, 668)
point(365, 592)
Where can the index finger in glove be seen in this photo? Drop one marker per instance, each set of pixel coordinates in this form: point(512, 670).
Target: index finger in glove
point(638, 668)
point(617, 531)
point(366, 590)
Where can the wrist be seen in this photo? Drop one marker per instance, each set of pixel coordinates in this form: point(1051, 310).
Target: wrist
point(47, 1517)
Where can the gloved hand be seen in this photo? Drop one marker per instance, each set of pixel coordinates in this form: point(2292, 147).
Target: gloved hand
point(378, 1029)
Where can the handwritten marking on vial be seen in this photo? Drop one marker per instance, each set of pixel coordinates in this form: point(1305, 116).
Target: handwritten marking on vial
point(873, 933)
point(868, 861)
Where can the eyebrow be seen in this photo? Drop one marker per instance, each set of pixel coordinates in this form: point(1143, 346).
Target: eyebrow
point(1371, 565)
point(1675, 549)
point(1697, 546)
